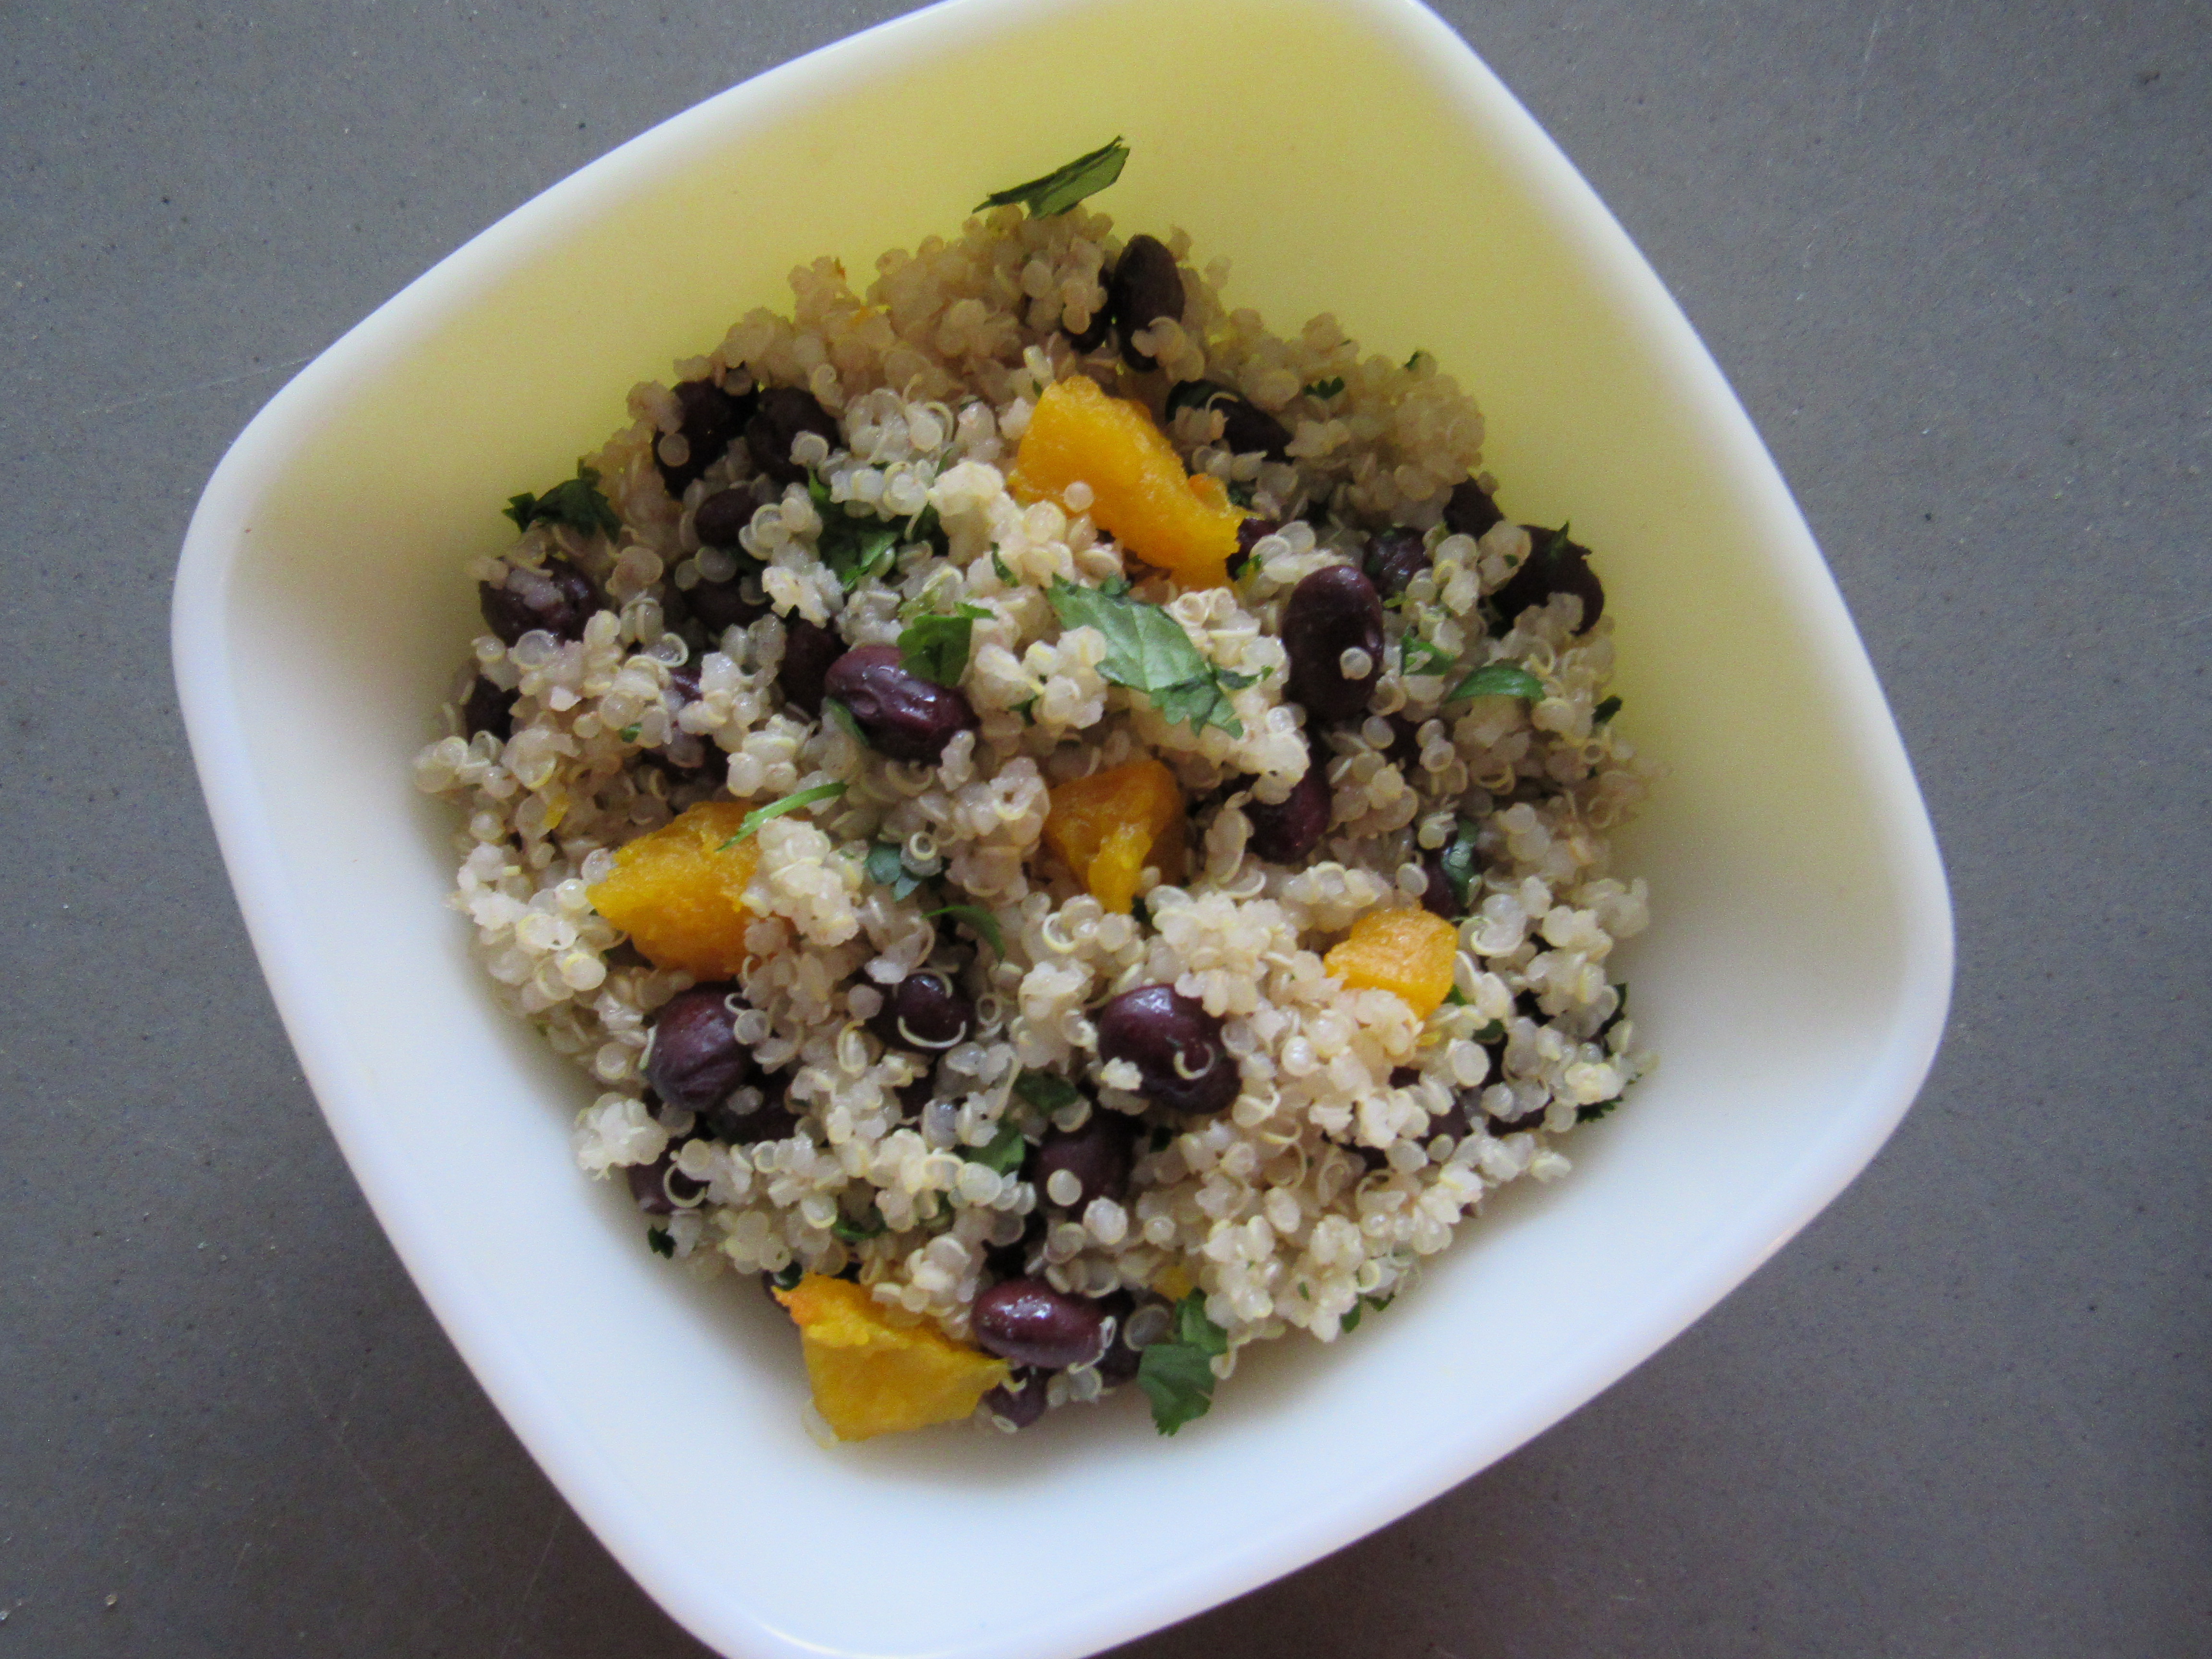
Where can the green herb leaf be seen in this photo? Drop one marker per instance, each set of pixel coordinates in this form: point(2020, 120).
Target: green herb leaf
point(1147, 651)
point(577, 503)
point(936, 647)
point(1605, 711)
point(1175, 1372)
point(1243, 494)
point(1326, 389)
point(1005, 1153)
point(786, 1276)
point(1064, 187)
point(999, 568)
point(750, 823)
point(1456, 997)
point(1192, 394)
point(870, 1226)
point(1417, 355)
point(927, 526)
point(842, 717)
point(629, 733)
point(1592, 1114)
point(1046, 1092)
point(1026, 708)
point(1462, 865)
point(658, 1240)
point(985, 924)
point(886, 866)
point(1350, 1322)
point(1160, 1139)
point(854, 543)
point(1142, 912)
point(1498, 679)
point(1422, 656)
point(1492, 1032)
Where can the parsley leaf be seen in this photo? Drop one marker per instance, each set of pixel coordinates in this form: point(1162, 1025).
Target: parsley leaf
point(1498, 679)
point(1046, 1092)
point(1005, 1153)
point(985, 924)
point(999, 567)
point(1422, 656)
point(886, 864)
point(854, 545)
point(1417, 355)
point(1605, 711)
point(870, 1226)
point(1592, 1114)
point(1147, 651)
point(1462, 864)
point(1491, 1033)
point(1326, 389)
point(662, 1244)
point(786, 1276)
point(1175, 1372)
point(1188, 394)
point(936, 647)
point(1243, 494)
point(629, 733)
point(1027, 709)
point(577, 503)
point(750, 823)
point(1064, 187)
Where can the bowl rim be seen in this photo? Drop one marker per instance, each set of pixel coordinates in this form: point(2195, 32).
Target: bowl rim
point(466, 1307)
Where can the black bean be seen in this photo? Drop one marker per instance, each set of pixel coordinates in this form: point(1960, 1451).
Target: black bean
point(1468, 511)
point(785, 412)
point(722, 516)
point(1453, 1120)
point(1395, 557)
point(1437, 897)
point(1285, 833)
point(697, 1059)
point(1098, 1155)
point(1554, 565)
point(1102, 320)
point(1176, 1046)
point(557, 600)
point(1028, 1322)
point(713, 418)
point(1404, 748)
point(898, 711)
point(1012, 1261)
point(661, 1188)
point(489, 709)
point(1247, 427)
point(913, 1097)
point(1146, 286)
point(1118, 1365)
point(720, 605)
point(684, 683)
point(926, 1011)
point(808, 653)
point(1019, 1400)
point(1330, 612)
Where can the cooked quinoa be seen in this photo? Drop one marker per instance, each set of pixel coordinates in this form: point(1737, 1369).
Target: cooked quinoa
point(632, 672)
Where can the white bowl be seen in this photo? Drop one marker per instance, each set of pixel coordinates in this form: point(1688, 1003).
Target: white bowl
point(1350, 156)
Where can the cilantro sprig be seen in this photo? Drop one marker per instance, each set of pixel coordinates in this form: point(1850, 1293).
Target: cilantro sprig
point(1148, 651)
point(886, 866)
point(936, 647)
point(1605, 711)
point(750, 824)
point(1176, 1372)
point(1498, 679)
point(1046, 1092)
point(1004, 1152)
point(1462, 865)
point(1326, 389)
point(1064, 187)
point(1350, 1322)
point(856, 543)
point(576, 503)
point(985, 924)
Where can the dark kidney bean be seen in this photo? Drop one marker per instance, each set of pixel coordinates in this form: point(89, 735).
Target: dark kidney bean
point(713, 418)
point(785, 412)
point(489, 709)
point(1176, 1046)
point(898, 711)
point(1468, 511)
point(1330, 612)
point(1028, 1322)
point(1395, 557)
point(720, 605)
point(772, 1119)
point(1437, 897)
point(1102, 320)
point(557, 601)
point(925, 1011)
point(1285, 833)
point(1118, 1365)
point(1247, 427)
point(1249, 533)
point(697, 1059)
point(913, 1097)
point(684, 683)
point(722, 516)
point(1019, 1400)
point(808, 653)
point(661, 1188)
point(1554, 565)
point(1098, 1155)
point(1147, 286)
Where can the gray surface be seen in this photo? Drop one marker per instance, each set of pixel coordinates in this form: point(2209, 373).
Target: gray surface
point(1954, 258)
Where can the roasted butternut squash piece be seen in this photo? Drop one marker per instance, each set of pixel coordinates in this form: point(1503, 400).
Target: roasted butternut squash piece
point(1406, 951)
point(1139, 493)
point(870, 1376)
point(680, 895)
point(1111, 824)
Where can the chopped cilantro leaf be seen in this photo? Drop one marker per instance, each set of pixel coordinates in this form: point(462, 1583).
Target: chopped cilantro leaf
point(629, 733)
point(1492, 1032)
point(657, 1238)
point(886, 866)
point(1422, 656)
point(999, 568)
point(1027, 709)
point(1462, 865)
point(842, 718)
point(855, 543)
point(1175, 1373)
point(1005, 1153)
point(750, 823)
point(936, 647)
point(1417, 355)
point(1592, 1114)
point(1605, 711)
point(577, 503)
point(985, 924)
point(1350, 1322)
point(1142, 911)
point(1046, 1092)
point(1498, 679)
point(1192, 394)
point(1241, 493)
point(1148, 651)
point(786, 1276)
point(870, 1226)
point(1064, 187)
point(1326, 389)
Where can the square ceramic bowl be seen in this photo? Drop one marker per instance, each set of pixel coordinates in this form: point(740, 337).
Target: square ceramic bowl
point(1350, 156)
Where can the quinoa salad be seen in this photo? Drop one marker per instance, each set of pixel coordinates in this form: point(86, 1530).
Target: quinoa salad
point(1069, 832)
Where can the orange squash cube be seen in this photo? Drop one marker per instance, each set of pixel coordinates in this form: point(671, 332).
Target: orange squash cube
point(1406, 951)
point(680, 894)
point(1139, 493)
point(870, 1376)
point(1111, 824)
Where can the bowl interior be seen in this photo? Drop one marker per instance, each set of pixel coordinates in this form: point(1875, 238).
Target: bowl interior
point(1793, 978)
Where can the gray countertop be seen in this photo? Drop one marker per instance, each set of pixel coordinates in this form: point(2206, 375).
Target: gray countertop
point(1954, 257)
